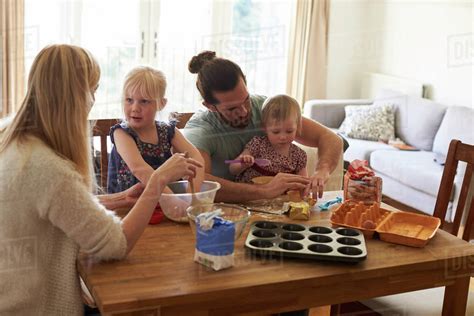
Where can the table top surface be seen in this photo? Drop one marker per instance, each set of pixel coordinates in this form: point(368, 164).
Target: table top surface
point(160, 269)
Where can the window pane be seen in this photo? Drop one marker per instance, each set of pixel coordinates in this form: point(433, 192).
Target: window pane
point(111, 37)
point(179, 36)
point(253, 33)
point(110, 30)
point(260, 43)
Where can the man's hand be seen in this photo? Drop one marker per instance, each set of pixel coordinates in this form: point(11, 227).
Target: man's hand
point(283, 182)
point(318, 180)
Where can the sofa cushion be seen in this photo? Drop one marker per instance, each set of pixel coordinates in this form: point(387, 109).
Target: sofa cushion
point(416, 119)
point(407, 195)
point(361, 149)
point(415, 169)
point(458, 123)
point(369, 122)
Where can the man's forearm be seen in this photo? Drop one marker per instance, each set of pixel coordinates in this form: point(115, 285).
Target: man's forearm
point(236, 192)
point(329, 152)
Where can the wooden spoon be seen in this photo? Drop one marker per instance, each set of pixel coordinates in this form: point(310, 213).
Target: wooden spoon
point(194, 199)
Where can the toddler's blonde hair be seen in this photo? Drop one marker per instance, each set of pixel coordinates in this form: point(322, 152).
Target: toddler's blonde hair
point(60, 93)
point(147, 81)
point(280, 108)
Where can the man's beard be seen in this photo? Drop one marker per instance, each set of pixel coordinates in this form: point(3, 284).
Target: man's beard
point(240, 122)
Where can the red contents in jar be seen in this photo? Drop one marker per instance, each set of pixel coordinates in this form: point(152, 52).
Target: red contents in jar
point(157, 216)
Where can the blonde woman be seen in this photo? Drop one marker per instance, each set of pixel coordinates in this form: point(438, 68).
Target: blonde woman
point(47, 208)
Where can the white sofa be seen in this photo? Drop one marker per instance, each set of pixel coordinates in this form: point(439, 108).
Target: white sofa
point(411, 177)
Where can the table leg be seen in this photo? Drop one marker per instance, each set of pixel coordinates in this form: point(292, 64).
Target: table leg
point(455, 297)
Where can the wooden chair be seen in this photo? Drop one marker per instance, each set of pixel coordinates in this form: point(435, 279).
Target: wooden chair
point(458, 152)
point(429, 302)
point(181, 117)
point(102, 129)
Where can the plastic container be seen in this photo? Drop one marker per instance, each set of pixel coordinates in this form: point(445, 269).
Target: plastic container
point(231, 212)
point(368, 190)
point(408, 229)
point(276, 239)
point(360, 216)
point(174, 204)
point(402, 228)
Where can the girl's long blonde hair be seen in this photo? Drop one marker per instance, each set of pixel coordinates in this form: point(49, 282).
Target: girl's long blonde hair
point(60, 93)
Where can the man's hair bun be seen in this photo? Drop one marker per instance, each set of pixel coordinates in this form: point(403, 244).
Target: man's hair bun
point(198, 61)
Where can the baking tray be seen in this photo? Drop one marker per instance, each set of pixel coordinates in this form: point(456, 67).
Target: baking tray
point(277, 239)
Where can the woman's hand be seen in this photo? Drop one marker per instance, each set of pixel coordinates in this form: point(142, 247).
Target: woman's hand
point(175, 168)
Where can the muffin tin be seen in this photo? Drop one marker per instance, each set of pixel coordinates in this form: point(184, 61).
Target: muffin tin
point(277, 239)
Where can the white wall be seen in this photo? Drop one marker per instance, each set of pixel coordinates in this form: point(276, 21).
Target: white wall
point(428, 41)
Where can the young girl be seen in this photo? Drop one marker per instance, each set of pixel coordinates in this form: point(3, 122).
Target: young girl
point(281, 120)
point(47, 209)
point(142, 144)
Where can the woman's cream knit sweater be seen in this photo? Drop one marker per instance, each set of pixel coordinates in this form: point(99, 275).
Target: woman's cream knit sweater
point(46, 216)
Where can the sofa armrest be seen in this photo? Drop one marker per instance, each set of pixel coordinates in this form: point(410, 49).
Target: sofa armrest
point(330, 113)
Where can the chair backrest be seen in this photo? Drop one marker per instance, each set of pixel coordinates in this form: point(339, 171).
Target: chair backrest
point(457, 152)
point(102, 129)
point(181, 118)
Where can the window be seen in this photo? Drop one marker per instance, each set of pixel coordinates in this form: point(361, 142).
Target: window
point(165, 34)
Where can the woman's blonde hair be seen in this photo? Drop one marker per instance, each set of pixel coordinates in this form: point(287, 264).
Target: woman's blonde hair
point(280, 108)
point(60, 93)
point(146, 81)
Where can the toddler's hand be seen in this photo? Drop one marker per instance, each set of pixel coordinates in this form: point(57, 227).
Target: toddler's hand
point(247, 160)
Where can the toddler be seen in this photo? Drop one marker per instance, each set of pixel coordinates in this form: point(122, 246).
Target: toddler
point(281, 120)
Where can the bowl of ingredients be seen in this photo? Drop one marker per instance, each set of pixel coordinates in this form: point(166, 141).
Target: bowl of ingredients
point(174, 204)
point(234, 213)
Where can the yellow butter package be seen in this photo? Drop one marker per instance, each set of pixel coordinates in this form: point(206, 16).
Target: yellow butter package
point(299, 210)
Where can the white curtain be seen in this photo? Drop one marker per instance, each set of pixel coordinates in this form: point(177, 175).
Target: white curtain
point(308, 51)
point(12, 55)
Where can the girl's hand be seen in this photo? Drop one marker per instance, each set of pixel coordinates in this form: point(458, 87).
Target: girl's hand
point(133, 193)
point(175, 168)
point(246, 160)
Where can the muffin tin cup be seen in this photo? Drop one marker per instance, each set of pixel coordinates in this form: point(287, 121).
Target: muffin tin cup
point(275, 239)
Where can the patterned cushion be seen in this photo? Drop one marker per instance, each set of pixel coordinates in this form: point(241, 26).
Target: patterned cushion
point(369, 122)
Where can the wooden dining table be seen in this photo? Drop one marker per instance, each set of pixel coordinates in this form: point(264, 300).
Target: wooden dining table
point(159, 276)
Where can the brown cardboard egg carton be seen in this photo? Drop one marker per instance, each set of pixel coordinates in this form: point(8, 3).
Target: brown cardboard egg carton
point(365, 217)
